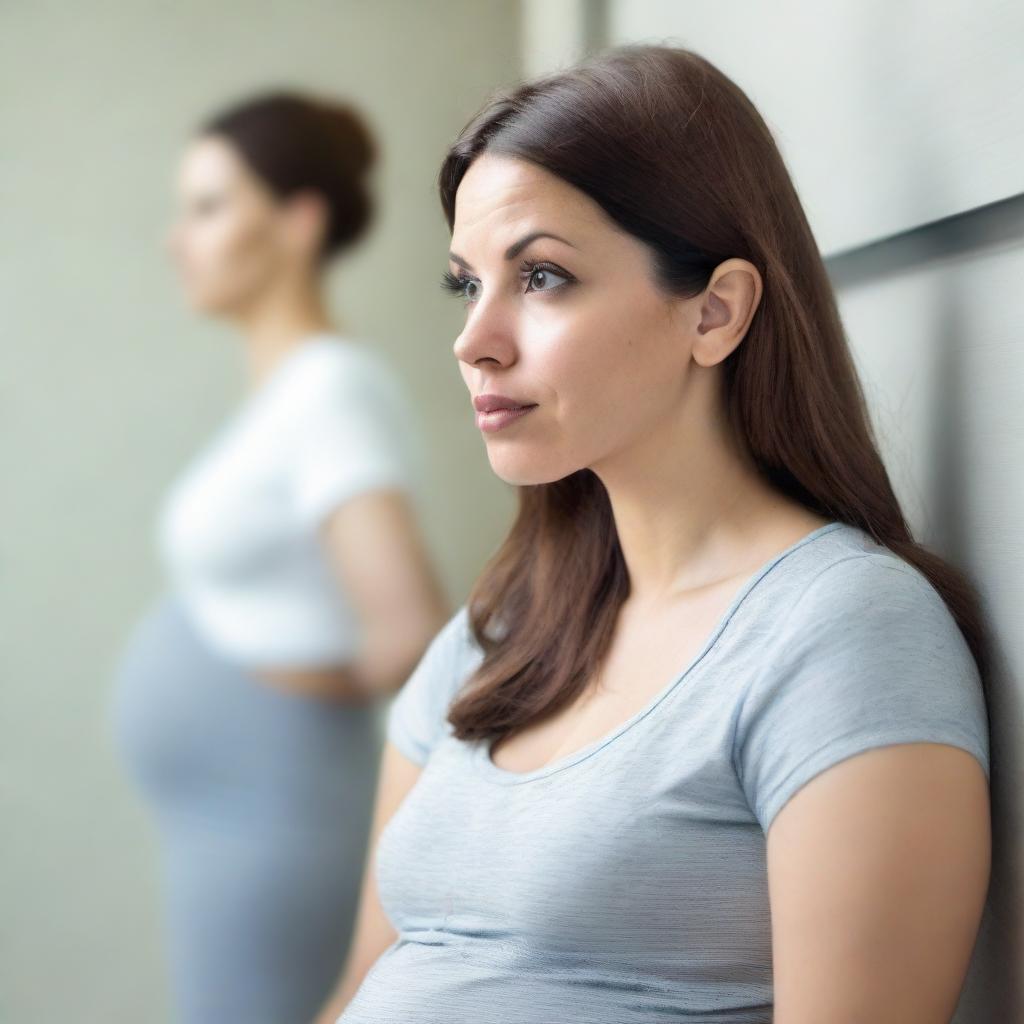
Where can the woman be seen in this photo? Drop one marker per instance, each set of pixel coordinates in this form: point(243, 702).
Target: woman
point(708, 740)
point(300, 588)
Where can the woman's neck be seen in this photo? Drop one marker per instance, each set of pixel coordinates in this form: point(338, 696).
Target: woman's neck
point(276, 325)
point(689, 505)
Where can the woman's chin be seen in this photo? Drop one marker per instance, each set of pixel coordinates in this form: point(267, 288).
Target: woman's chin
point(523, 471)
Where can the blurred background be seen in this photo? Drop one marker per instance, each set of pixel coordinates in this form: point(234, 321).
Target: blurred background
point(902, 125)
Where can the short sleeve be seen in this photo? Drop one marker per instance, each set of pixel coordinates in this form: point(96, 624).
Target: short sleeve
point(869, 656)
point(416, 717)
point(351, 430)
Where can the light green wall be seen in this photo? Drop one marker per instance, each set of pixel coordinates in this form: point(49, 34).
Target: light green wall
point(107, 385)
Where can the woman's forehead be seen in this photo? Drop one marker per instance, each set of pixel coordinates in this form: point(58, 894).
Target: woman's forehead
point(502, 199)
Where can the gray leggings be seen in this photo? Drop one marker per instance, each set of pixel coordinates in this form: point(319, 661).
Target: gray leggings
point(262, 801)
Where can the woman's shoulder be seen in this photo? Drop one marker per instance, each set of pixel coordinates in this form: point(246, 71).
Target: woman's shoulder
point(342, 360)
point(335, 375)
point(416, 719)
point(847, 607)
point(876, 624)
point(863, 580)
point(839, 583)
point(867, 654)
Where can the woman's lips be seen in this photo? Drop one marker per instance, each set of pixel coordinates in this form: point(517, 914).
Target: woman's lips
point(498, 418)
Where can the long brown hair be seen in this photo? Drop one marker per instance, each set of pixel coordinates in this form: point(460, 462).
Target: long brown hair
point(676, 154)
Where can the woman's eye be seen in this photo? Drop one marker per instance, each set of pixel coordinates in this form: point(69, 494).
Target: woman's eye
point(542, 280)
point(538, 279)
point(459, 285)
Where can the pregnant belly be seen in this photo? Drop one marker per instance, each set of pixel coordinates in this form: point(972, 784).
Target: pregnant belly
point(438, 983)
point(202, 735)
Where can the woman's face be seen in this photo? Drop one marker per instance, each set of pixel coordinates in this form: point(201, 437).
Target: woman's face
point(574, 325)
point(225, 241)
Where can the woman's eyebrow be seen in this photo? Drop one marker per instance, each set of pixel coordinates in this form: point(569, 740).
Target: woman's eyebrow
point(514, 249)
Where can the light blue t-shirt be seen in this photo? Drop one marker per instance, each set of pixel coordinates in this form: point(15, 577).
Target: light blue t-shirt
point(626, 882)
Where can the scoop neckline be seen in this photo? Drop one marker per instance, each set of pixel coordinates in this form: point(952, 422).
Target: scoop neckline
point(482, 750)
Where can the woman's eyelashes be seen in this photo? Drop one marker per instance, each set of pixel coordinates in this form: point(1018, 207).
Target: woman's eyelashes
point(538, 275)
point(456, 284)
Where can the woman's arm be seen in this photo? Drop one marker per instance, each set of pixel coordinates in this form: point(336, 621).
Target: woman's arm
point(374, 543)
point(373, 932)
point(878, 870)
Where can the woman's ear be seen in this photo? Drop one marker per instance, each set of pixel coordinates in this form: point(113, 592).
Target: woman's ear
point(305, 217)
point(728, 305)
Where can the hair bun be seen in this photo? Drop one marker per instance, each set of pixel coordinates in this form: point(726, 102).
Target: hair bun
point(353, 143)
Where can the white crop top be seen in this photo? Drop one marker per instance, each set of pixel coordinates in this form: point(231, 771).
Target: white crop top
point(238, 529)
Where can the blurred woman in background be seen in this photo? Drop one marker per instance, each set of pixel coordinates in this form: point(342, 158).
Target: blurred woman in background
point(300, 588)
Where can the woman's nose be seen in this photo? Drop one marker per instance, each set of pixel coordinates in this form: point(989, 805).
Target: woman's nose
point(487, 335)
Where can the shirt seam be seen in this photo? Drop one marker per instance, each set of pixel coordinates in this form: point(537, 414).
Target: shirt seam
point(777, 657)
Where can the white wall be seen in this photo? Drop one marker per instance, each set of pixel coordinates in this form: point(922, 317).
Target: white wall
point(106, 387)
point(889, 115)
